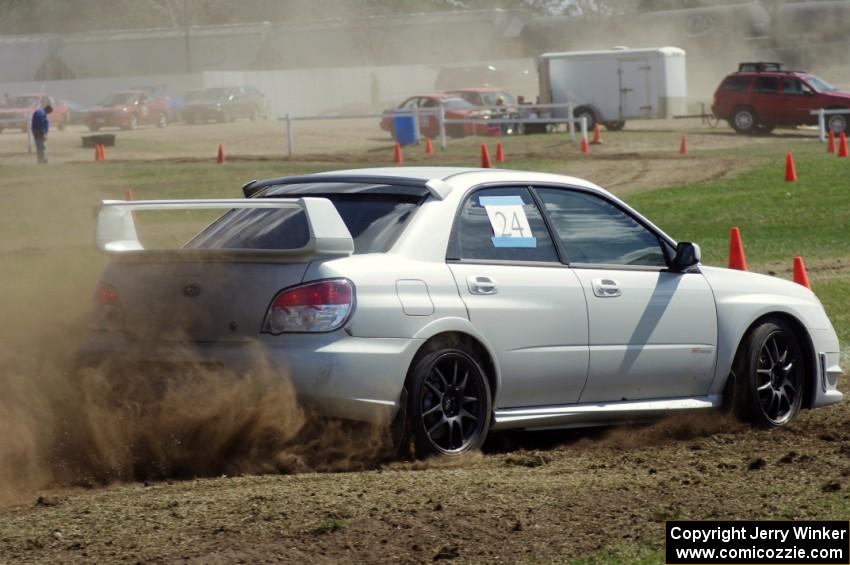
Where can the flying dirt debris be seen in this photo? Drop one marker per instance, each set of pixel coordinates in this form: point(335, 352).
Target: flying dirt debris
point(128, 420)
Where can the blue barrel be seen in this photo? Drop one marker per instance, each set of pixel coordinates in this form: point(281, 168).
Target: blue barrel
point(405, 130)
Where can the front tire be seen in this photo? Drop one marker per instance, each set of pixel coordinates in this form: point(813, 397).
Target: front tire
point(837, 123)
point(770, 368)
point(615, 126)
point(162, 121)
point(449, 404)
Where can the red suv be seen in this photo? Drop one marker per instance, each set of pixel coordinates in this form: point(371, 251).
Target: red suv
point(761, 96)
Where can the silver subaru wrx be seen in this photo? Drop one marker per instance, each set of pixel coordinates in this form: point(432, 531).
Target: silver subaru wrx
point(465, 300)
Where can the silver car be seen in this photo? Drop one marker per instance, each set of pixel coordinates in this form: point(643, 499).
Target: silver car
point(461, 301)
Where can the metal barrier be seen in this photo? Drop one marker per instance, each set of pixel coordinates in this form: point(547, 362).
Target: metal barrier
point(822, 113)
point(440, 114)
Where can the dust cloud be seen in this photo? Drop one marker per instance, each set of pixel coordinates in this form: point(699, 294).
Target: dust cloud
point(64, 424)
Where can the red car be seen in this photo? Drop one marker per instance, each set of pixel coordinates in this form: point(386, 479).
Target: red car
point(129, 110)
point(761, 96)
point(17, 111)
point(455, 109)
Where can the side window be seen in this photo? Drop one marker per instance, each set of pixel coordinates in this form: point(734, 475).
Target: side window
point(766, 85)
point(792, 86)
point(595, 231)
point(737, 83)
point(501, 224)
point(410, 104)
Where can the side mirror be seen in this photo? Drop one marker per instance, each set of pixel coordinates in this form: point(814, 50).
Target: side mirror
point(687, 255)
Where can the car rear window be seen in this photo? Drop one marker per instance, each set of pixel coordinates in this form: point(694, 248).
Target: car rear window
point(737, 83)
point(374, 220)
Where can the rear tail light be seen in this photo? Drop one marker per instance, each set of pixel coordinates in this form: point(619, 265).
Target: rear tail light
point(106, 315)
point(321, 306)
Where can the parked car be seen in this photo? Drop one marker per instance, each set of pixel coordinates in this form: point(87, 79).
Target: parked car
point(173, 103)
point(79, 114)
point(17, 112)
point(501, 104)
point(761, 96)
point(457, 300)
point(128, 110)
point(225, 104)
point(456, 108)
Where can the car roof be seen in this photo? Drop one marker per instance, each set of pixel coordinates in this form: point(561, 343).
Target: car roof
point(420, 176)
point(477, 89)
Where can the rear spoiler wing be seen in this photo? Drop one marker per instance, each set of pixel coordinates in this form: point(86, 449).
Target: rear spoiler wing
point(116, 229)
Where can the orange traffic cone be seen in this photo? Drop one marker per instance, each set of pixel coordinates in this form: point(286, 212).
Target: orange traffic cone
point(736, 251)
point(398, 156)
point(683, 145)
point(597, 134)
point(842, 145)
point(585, 148)
point(500, 153)
point(485, 157)
point(790, 170)
point(830, 142)
point(429, 149)
point(800, 276)
point(220, 157)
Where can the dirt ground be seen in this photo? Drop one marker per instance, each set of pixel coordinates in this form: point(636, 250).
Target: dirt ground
point(543, 497)
point(534, 497)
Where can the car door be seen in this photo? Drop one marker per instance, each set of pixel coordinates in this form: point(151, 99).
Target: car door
point(528, 306)
point(766, 100)
point(653, 333)
point(144, 110)
point(797, 100)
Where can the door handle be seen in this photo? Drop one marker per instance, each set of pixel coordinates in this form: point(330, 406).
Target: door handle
point(479, 284)
point(606, 288)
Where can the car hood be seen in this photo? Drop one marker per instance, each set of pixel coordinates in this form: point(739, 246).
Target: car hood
point(842, 95)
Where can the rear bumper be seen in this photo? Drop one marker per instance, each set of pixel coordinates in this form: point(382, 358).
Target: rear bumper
point(338, 375)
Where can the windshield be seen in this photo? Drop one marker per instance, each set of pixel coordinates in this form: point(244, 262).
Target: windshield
point(23, 101)
point(456, 103)
point(374, 220)
point(819, 84)
point(206, 94)
point(120, 99)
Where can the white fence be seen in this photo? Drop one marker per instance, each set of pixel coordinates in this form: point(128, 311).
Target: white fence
point(443, 121)
point(822, 114)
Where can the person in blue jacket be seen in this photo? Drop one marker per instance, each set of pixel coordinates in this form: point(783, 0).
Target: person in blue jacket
point(39, 128)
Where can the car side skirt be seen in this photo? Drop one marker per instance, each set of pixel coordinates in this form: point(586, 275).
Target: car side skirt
point(595, 414)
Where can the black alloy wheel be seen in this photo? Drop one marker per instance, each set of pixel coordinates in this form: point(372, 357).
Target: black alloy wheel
point(771, 369)
point(450, 404)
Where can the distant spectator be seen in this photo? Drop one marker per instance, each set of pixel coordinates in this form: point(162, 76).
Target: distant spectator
point(39, 128)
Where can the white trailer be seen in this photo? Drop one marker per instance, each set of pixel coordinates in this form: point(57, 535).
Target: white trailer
point(615, 85)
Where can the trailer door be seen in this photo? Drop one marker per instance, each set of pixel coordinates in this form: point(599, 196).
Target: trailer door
point(635, 88)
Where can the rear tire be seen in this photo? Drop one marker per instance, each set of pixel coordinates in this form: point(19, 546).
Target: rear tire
point(615, 126)
point(587, 112)
point(744, 120)
point(449, 404)
point(770, 371)
point(162, 121)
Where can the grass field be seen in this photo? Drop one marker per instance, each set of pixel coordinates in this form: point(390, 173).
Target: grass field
point(583, 497)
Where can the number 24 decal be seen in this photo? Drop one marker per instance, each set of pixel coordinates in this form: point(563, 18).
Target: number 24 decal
point(516, 225)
